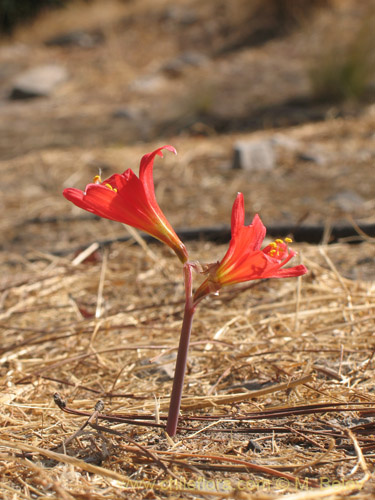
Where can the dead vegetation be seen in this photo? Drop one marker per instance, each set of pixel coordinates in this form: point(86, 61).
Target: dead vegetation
point(279, 391)
point(279, 395)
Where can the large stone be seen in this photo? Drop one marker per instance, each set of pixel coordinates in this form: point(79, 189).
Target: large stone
point(38, 82)
point(254, 155)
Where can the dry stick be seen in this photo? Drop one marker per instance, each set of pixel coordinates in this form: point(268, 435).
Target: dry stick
point(71, 359)
point(251, 466)
point(225, 373)
point(341, 281)
point(361, 460)
point(277, 412)
point(144, 450)
point(318, 459)
point(298, 303)
point(78, 357)
point(94, 469)
point(94, 416)
point(92, 421)
point(204, 402)
point(310, 440)
point(16, 493)
point(99, 301)
point(337, 490)
point(360, 231)
point(139, 238)
point(108, 394)
point(43, 474)
point(85, 253)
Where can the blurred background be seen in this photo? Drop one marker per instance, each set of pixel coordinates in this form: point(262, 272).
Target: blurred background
point(272, 98)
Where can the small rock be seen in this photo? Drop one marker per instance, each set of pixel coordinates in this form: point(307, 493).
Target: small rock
point(148, 84)
point(194, 58)
point(83, 39)
point(347, 201)
point(175, 67)
point(311, 157)
point(285, 142)
point(181, 15)
point(136, 122)
point(38, 82)
point(126, 113)
point(254, 155)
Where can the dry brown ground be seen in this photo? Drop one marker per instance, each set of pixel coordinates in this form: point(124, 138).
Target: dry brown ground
point(108, 328)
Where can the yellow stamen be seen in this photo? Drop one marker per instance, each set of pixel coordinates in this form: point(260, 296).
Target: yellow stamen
point(278, 246)
point(111, 188)
point(97, 179)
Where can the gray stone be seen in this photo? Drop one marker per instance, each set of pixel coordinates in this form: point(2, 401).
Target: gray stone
point(148, 84)
point(38, 82)
point(127, 113)
point(347, 201)
point(181, 15)
point(254, 155)
point(175, 67)
point(311, 157)
point(284, 142)
point(83, 39)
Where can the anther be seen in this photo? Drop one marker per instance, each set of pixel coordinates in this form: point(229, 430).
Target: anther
point(97, 179)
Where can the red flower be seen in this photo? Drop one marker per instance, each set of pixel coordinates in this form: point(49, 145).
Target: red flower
point(131, 200)
point(244, 260)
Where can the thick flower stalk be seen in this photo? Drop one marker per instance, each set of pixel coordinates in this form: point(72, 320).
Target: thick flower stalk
point(244, 260)
point(131, 200)
point(182, 354)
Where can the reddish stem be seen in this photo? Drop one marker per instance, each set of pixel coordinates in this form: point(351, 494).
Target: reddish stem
point(178, 381)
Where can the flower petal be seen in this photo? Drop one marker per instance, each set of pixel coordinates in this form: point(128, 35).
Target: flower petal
point(245, 239)
point(238, 215)
point(146, 173)
point(290, 272)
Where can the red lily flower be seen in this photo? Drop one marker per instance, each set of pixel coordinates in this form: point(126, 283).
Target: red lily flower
point(244, 260)
point(131, 200)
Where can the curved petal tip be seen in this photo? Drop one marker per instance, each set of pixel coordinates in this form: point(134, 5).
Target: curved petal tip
point(169, 148)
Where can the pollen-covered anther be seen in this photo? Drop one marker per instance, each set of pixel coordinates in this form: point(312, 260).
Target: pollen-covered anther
point(278, 246)
point(97, 179)
point(111, 188)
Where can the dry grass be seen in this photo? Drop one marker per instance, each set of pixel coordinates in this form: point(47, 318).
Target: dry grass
point(279, 395)
point(256, 351)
